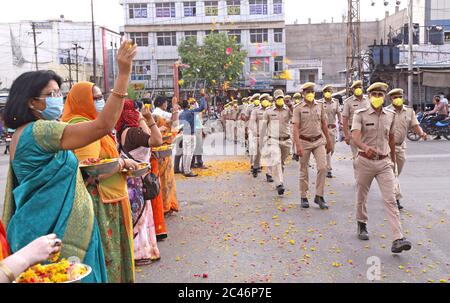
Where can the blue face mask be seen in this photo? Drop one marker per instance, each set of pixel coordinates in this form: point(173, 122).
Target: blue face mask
point(99, 105)
point(54, 108)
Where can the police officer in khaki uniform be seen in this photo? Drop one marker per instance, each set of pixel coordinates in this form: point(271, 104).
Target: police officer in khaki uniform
point(256, 126)
point(252, 144)
point(224, 120)
point(279, 144)
point(297, 99)
point(240, 123)
point(331, 107)
point(352, 104)
point(405, 121)
point(373, 130)
point(233, 115)
point(311, 136)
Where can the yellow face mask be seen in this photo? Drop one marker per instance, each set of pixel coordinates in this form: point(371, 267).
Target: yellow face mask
point(310, 97)
point(358, 92)
point(265, 103)
point(377, 102)
point(297, 101)
point(328, 95)
point(257, 103)
point(398, 102)
point(280, 102)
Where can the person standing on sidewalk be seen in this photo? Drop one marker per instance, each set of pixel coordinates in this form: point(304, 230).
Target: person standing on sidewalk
point(187, 119)
point(277, 121)
point(373, 132)
point(405, 120)
point(352, 104)
point(311, 137)
point(331, 107)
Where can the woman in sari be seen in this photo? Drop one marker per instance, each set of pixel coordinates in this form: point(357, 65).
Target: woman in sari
point(41, 249)
point(108, 192)
point(165, 122)
point(135, 141)
point(45, 192)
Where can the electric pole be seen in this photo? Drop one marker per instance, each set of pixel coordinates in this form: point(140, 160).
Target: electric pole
point(94, 55)
point(33, 26)
point(69, 61)
point(410, 55)
point(76, 48)
point(354, 59)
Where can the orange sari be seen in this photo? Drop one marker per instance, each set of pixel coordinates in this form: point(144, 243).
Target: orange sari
point(157, 206)
point(167, 175)
point(4, 247)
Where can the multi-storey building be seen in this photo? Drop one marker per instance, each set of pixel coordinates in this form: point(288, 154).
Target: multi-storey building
point(159, 26)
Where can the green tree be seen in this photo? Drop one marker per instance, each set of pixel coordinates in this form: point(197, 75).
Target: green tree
point(220, 59)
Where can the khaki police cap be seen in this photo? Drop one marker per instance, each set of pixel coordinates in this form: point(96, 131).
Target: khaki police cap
point(378, 86)
point(297, 96)
point(270, 98)
point(307, 85)
point(255, 97)
point(264, 96)
point(287, 97)
point(327, 87)
point(396, 91)
point(278, 94)
point(357, 83)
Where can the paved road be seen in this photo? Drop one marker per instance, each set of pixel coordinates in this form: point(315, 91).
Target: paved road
point(234, 228)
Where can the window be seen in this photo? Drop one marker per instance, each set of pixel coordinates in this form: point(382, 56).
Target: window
point(165, 69)
point(141, 70)
point(258, 7)
point(190, 35)
point(233, 7)
point(260, 65)
point(278, 65)
point(259, 35)
point(211, 8)
point(278, 35)
point(308, 75)
point(277, 7)
point(141, 39)
point(137, 10)
point(190, 9)
point(236, 34)
point(165, 10)
point(166, 38)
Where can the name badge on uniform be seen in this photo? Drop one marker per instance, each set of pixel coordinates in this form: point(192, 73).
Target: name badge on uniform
point(370, 124)
point(305, 112)
point(355, 105)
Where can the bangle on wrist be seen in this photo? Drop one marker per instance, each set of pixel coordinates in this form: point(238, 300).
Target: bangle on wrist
point(119, 94)
point(8, 273)
point(151, 125)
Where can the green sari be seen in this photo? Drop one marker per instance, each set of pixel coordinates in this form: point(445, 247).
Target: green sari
point(45, 194)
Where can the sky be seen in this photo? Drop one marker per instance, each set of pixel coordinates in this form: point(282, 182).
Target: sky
point(109, 13)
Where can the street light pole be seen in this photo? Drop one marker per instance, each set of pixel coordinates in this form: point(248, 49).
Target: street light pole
point(94, 55)
point(410, 55)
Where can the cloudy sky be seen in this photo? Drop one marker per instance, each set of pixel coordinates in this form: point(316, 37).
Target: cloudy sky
point(109, 13)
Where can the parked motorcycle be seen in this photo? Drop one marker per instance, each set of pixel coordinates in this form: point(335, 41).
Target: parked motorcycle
point(432, 128)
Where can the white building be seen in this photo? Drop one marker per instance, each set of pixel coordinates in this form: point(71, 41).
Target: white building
point(55, 41)
point(158, 27)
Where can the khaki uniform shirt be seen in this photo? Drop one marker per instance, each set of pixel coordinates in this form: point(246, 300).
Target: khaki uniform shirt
point(256, 120)
point(331, 109)
point(234, 113)
point(351, 105)
point(404, 121)
point(310, 119)
point(278, 122)
point(375, 128)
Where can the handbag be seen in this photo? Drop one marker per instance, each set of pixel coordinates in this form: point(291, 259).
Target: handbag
point(151, 185)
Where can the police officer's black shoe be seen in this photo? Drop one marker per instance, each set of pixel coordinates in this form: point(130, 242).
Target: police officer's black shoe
point(304, 203)
point(269, 178)
point(255, 172)
point(400, 207)
point(280, 189)
point(363, 234)
point(295, 157)
point(400, 245)
point(329, 175)
point(259, 170)
point(320, 200)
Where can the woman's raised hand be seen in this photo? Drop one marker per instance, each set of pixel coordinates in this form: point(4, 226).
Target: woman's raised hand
point(125, 56)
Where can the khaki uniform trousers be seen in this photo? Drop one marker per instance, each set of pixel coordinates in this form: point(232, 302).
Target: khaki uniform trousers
point(332, 132)
point(400, 156)
point(319, 151)
point(255, 152)
point(280, 151)
point(382, 171)
point(240, 125)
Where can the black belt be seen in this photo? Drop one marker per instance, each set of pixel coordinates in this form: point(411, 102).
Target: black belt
point(377, 157)
point(281, 139)
point(312, 139)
